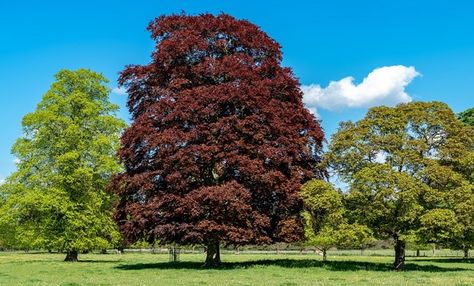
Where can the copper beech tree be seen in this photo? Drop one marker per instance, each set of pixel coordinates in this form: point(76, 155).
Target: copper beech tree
point(220, 141)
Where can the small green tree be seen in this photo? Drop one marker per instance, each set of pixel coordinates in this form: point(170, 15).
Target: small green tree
point(325, 239)
point(56, 199)
point(324, 221)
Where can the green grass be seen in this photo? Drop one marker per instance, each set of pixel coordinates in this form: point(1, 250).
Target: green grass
point(242, 269)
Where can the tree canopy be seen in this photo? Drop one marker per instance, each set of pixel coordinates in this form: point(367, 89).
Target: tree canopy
point(57, 197)
point(220, 141)
point(390, 158)
point(467, 116)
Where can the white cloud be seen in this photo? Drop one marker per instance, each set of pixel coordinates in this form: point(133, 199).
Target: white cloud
point(382, 86)
point(2, 181)
point(119, 90)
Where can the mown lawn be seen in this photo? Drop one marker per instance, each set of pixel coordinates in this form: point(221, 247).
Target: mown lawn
point(241, 269)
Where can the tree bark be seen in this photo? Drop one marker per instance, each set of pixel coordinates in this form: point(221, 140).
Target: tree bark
point(71, 256)
point(325, 257)
point(399, 263)
point(417, 253)
point(213, 255)
point(466, 252)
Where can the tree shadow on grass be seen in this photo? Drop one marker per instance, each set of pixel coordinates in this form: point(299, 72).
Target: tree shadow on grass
point(97, 261)
point(447, 260)
point(292, 263)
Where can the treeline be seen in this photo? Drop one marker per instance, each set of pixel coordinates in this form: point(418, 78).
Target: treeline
point(222, 152)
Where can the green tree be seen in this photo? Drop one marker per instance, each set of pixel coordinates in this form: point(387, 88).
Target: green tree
point(56, 199)
point(354, 236)
point(324, 221)
point(467, 116)
point(5, 230)
point(449, 220)
point(384, 159)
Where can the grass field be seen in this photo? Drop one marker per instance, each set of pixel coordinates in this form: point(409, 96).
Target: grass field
point(238, 269)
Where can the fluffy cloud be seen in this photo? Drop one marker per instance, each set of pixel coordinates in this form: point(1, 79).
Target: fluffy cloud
point(119, 91)
point(382, 86)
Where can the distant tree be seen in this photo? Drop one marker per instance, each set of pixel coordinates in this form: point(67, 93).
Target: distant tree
point(325, 224)
point(220, 141)
point(384, 158)
point(57, 199)
point(415, 242)
point(467, 116)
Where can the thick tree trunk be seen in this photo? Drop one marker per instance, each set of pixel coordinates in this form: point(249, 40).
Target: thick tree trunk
point(325, 257)
point(399, 263)
point(213, 255)
point(71, 256)
point(466, 252)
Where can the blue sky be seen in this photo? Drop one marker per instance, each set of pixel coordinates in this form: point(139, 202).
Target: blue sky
point(427, 48)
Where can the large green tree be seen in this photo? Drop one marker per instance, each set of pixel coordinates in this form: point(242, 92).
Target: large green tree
point(386, 160)
point(56, 199)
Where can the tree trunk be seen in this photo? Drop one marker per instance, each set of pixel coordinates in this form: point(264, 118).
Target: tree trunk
point(71, 256)
point(325, 258)
point(213, 255)
point(466, 252)
point(399, 263)
point(417, 253)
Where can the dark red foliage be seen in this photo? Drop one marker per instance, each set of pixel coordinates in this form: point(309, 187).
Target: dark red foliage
point(220, 142)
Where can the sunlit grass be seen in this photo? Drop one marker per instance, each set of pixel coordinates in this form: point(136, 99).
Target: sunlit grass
point(237, 269)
